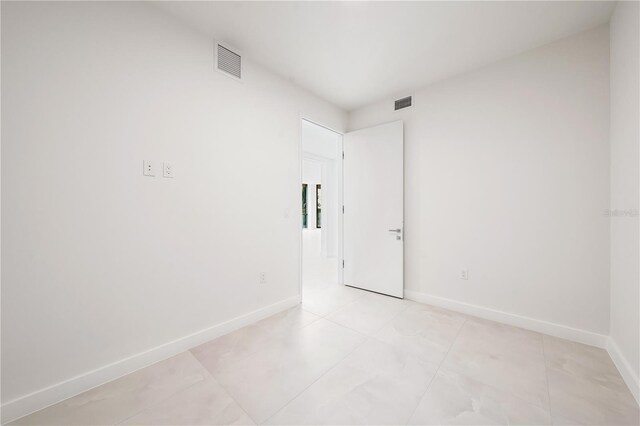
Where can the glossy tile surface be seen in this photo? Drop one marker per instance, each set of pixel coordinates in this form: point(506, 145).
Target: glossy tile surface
point(225, 350)
point(457, 399)
point(329, 299)
point(122, 398)
point(424, 331)
point(375, 384)
point(205, 403)
point(370, 360)
point(507, 358)
point(585, 387)
point(369, 313)
point(265, 381)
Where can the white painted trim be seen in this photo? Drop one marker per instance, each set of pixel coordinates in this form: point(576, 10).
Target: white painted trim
point(624, 367)
point(45, 397)
point(550, 328)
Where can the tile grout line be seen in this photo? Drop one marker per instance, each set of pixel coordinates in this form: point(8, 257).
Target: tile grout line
point(270, 338)
point(339, 308)
point(298, 394)
point(393, 318)
point(502, 391)
point(173, 393)
point(365, 340)
point(435, 373)
point(336, 309)
point(227, 392)
point(375, 331)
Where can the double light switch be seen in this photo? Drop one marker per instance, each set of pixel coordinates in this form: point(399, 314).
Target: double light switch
point(149, 169)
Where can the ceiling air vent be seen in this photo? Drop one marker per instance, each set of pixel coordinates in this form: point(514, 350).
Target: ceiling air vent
point(403, 103)
point(229, 62)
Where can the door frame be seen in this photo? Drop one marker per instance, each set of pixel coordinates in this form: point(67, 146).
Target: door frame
point(339, 185)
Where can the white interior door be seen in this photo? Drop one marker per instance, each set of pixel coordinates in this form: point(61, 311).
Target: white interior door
point(373, 209)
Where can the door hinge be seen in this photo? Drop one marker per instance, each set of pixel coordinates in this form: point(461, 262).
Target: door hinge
point(342, 264)
point(343, 155)
point(342, 209)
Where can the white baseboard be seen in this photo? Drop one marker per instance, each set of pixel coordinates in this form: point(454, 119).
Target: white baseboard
point(50, 395)
point(552, 329)
point(624, 367)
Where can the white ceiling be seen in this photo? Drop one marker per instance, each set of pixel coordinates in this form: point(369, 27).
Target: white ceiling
point(355, 53)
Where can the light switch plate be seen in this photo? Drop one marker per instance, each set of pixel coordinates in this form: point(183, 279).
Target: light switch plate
point(148, 168)
point(167, 169)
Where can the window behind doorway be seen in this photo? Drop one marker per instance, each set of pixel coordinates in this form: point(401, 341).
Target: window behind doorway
point(304, 205)
point(318, 207)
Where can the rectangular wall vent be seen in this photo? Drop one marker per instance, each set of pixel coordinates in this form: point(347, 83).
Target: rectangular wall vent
point(229, 62)
point(403, 103)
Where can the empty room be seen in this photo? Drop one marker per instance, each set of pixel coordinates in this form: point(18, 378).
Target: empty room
point(310, 212)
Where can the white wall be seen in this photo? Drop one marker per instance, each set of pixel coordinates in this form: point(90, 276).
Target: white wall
point(507, 174)
point(99, 262)
point(625, 181)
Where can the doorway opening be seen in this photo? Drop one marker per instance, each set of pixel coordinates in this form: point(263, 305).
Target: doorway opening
point(321, 204)
point(349, 243)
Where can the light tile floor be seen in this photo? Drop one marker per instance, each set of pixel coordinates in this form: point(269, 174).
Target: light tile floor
point(346, 356)
point(373, 360)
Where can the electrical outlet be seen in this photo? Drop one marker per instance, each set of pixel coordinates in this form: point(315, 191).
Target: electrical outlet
point(148, 168)
point(167, 169)
point(464, 274)
point(263, 277)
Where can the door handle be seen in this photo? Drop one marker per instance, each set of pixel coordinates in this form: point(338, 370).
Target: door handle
point(396, 230)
